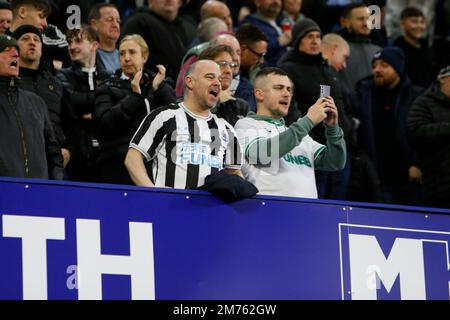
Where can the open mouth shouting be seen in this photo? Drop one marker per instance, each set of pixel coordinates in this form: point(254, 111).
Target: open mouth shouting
point(284, 103)
point(13, 70)
point(214, 91)
point(14, 64)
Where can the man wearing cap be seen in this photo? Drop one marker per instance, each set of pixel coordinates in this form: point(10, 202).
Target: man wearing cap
point(36, 76)
point(308, 70)
point(429, 129)
point(381, 102)
point(27, 141)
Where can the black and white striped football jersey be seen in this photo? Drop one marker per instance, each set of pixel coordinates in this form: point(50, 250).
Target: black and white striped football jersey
point(184, 148)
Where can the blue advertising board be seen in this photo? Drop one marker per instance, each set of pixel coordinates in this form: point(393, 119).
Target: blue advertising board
point(62, 240)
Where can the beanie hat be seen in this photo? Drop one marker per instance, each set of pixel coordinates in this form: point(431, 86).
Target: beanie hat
point(394, 56)
point(445, 72)
point(27, 28)
point(4, 5)
point(445, 68)
point(302, 28)
point(7, 41)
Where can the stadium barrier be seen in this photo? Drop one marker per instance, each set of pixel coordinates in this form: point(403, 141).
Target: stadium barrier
point(64, 240)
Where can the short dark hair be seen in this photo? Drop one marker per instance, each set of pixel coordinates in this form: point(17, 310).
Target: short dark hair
point(410, 12)
point(249, 34)
point(83, 32)
point(94, 14)
point(43, 5)
point(212, 52)
point(264, 72)
point(347, 12)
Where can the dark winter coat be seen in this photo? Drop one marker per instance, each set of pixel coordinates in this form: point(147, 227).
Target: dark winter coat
point(28, 147)
point(429, 129)
point(79, 100)
point(245, 92)
point(362, 106)
point(43, 83)
point(359, 64)
point(119, 112)
point(420, 63)
point(166, 40)
point(308, 72)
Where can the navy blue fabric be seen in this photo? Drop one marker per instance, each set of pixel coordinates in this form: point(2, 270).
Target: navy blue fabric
point(245, 92)
point(274, 50)
point(361, 102)
point(228, 187)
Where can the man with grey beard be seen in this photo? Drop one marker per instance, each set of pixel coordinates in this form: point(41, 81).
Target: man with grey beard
point(264, 19)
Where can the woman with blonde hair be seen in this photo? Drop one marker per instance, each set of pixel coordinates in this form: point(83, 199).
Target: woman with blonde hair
point(122, 103)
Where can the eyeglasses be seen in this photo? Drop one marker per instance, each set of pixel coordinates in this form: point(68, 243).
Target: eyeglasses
point(259, 55)
point(223, 64)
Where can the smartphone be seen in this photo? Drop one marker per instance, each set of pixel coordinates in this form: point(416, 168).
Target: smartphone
point(325, 91)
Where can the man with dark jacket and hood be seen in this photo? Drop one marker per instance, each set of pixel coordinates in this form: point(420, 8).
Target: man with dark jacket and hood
point(308, 70)
point(381, 102)
point(429, 129)
point(27, 141)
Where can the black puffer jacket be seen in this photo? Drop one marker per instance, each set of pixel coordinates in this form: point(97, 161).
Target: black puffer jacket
point(308, 72)
point(429, 130)
point(119, 112)
point(28, 147)
point(43, 83)
point(81, 131)
point(79, 100)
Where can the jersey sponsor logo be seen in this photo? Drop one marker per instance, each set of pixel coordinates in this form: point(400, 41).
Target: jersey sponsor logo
point(199, 154)
point(298, 160)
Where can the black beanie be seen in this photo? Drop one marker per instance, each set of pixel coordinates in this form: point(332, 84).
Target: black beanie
point(27, 28)
point(394, 56)
point(302, 28)
point(4, 5)
point(7, 41)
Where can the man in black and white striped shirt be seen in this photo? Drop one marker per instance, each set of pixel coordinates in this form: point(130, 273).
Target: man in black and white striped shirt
point(185, 142)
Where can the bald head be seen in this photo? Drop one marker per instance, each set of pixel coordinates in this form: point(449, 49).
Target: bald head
point(209, 28)
point(335, 50)
point(331, 39)
point(214, 8)
point(202, 86)
point(199, 69)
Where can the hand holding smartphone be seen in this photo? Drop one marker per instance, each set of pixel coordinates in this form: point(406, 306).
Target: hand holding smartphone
point(325, 91)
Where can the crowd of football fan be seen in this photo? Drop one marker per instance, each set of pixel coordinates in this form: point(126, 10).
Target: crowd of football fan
point(344, 100)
